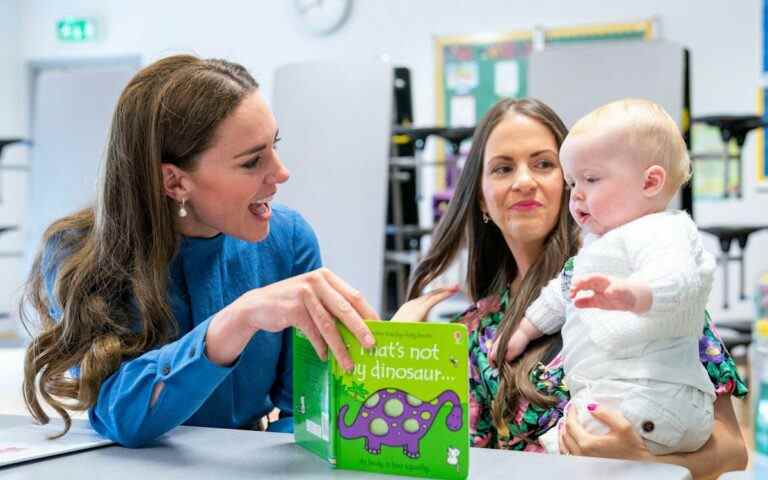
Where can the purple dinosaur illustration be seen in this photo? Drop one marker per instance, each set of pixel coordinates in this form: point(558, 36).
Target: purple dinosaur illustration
point(392, 417)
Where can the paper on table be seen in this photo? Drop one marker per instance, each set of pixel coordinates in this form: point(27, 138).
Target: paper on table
point(30, 442)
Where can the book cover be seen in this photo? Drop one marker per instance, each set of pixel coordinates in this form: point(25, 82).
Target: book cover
point(28, 441)
point(404, 408)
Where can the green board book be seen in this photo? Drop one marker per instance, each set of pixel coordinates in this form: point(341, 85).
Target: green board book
point(404, 408)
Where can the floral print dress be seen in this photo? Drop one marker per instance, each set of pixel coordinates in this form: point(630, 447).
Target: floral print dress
point(531, 421)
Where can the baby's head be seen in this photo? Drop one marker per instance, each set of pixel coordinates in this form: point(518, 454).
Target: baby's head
point(622, 161)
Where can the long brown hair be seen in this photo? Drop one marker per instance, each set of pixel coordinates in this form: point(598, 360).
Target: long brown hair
point(491, 266)
point(111, 261)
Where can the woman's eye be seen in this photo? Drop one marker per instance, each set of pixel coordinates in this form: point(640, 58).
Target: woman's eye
point(545, 164)
point(250, 164)
point(501, 169)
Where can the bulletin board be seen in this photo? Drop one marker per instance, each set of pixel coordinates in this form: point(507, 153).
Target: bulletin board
point(474, 72)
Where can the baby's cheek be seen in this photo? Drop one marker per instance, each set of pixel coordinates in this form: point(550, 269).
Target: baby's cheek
point(572, 208)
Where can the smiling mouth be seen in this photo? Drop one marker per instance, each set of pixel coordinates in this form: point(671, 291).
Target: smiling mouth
point(525, 206)
point(262, 207)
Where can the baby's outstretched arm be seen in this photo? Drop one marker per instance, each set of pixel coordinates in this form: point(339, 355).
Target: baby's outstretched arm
point(611, 293)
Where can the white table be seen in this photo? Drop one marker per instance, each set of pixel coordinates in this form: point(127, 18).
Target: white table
point(190, 453)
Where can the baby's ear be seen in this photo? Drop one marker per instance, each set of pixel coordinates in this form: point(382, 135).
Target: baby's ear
point(654, 179)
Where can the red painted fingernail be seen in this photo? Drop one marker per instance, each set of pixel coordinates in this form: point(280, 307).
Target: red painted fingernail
point(592, 407)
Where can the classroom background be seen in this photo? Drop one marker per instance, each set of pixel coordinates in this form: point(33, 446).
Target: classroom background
point(428, 70)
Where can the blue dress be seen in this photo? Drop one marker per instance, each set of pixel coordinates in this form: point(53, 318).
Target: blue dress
point(205, 276)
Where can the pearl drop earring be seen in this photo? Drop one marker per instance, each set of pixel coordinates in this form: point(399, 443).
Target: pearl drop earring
point(182, 209)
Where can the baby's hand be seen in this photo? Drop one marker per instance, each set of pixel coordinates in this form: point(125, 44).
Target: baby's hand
point(608, 293)
point(517, 342)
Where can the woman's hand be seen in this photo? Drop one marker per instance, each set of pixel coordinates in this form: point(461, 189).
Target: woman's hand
point(622, 441)
point(310, 302)
point(417, 309)
point(723, 452)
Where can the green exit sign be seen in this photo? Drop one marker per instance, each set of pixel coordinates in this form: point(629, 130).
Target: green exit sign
point(76, 29)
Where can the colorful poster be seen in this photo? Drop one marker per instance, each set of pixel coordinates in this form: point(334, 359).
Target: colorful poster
point(463, 111)
point(507, 79)
point(461, 77)
point(486, 68)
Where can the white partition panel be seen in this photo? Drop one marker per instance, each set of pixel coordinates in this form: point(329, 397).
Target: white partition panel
point(335, 120)
point(71, 112)
point(71, 118)
point(576, 79)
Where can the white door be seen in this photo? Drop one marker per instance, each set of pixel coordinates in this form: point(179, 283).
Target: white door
point(72, 108)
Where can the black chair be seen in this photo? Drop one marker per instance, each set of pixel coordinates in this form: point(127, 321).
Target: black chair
point(4, 142)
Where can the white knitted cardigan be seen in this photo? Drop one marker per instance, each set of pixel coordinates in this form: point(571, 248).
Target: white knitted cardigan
point(662, 249)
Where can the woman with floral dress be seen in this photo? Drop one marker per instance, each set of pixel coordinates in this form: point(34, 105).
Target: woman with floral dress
point(510, 212)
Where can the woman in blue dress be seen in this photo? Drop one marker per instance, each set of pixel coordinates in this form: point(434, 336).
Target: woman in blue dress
point(168, 301)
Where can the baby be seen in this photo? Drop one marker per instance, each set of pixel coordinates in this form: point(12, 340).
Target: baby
point(631, 304)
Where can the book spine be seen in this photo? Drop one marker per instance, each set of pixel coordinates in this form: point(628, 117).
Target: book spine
point(310, 397)
point(332, 410)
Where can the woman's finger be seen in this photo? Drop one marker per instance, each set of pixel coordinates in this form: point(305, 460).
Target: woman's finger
point(353, 296)
point(561, 440)
point(436, 296)
point(612, 418)
point(570, 444)
point(326, 325)
point(576, 436)
point(442, 293)
point(308, 328)
point(574, 427)
point(338, 306)
point(416, 310)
